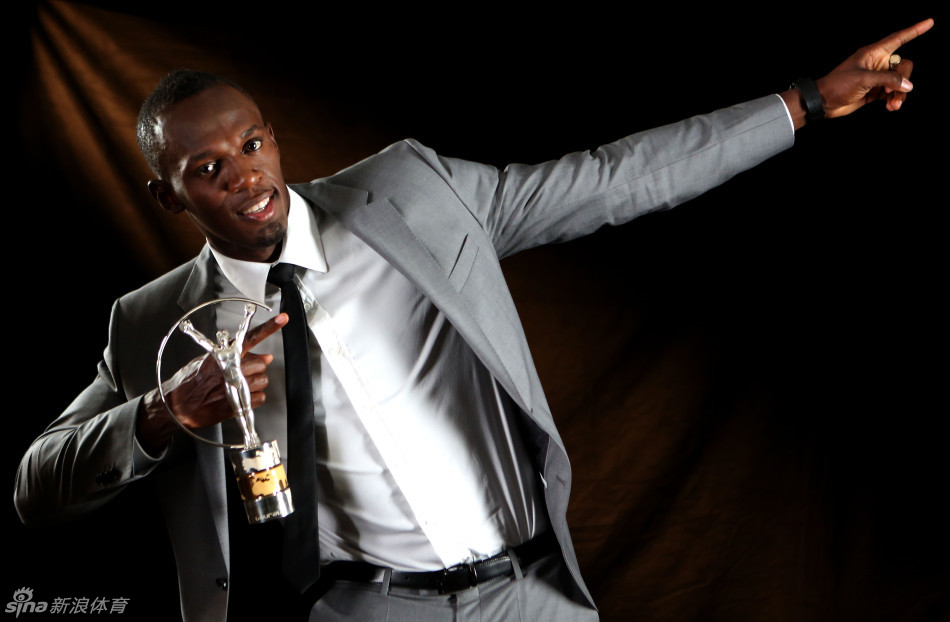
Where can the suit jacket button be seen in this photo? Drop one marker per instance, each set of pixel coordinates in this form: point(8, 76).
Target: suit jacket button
point(222, 583)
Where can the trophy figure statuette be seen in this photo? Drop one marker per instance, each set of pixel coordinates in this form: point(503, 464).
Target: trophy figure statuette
point(260, 474)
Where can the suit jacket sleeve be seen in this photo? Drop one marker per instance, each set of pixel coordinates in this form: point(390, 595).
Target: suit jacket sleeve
point(88, 454)
point(523, 206)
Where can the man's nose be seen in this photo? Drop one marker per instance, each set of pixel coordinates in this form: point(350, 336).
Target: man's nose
point(240, 175)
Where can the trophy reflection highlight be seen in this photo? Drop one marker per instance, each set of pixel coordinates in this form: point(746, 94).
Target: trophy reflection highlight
point(260, 474)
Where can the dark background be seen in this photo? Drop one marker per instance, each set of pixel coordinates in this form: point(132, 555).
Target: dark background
point(747, 385)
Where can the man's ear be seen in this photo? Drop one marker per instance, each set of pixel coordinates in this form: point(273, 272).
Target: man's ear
point(165, 195)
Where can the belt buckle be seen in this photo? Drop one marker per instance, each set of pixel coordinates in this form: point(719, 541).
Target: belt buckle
point(458, 577)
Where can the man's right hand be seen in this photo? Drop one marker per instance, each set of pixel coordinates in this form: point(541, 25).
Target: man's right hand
point(196, 392)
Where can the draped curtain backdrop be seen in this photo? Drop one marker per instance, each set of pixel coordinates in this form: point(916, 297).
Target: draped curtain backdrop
point(747, 385)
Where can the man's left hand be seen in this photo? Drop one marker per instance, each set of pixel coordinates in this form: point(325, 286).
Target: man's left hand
point(867, 76)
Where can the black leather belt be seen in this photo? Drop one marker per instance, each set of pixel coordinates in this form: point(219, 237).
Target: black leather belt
point(452, 579)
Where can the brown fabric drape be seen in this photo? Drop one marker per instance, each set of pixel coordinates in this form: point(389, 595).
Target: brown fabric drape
point(747, 385)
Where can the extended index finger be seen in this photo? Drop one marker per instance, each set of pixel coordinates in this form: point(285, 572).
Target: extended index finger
point(891, 43)
point(262, 332)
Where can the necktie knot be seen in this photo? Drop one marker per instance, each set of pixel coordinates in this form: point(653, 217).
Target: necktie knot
point(281, 274)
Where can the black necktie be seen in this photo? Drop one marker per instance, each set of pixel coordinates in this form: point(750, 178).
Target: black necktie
point(301, 543)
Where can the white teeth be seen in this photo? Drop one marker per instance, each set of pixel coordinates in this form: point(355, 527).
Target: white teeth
point(258, 207)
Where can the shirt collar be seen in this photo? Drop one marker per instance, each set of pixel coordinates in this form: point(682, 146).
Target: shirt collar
point(302, 247)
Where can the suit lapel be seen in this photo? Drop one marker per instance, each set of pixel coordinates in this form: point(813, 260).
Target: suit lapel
point(199, 288)
point(380, 225)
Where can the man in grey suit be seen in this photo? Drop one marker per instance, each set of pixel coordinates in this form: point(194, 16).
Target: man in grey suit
point(440, 449)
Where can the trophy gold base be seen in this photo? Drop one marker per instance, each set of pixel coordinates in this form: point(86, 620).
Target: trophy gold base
point(263, 482)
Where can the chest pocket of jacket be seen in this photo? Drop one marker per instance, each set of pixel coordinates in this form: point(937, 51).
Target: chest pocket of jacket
point(463, 263)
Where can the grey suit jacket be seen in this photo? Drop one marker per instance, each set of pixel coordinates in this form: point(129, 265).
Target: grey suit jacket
point(445, 224)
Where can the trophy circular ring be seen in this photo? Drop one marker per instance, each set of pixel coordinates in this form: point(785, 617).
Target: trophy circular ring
point(158, 366)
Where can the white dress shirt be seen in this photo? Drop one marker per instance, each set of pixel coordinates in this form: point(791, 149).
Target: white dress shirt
point(422, 465)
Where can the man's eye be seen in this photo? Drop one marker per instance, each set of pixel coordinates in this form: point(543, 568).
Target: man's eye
point(253, 145)
point(207, 169)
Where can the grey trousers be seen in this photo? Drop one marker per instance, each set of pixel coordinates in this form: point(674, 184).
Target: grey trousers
point(541, 592)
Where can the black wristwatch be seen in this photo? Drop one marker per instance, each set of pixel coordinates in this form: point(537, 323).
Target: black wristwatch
point(814, 110)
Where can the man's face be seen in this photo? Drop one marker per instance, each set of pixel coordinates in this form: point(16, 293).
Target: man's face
point(221, 165)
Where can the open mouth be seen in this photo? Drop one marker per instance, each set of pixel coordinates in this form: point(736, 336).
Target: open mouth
point(258, 207)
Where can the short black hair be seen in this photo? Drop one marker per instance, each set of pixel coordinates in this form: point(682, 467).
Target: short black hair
point(173, 88)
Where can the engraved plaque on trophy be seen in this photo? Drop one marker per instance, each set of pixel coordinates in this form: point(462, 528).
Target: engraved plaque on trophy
point(260, 474)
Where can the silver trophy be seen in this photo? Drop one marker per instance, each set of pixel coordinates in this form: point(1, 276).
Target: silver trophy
point(261, 477)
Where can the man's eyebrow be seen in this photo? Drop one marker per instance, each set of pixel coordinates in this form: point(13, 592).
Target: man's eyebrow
point(197, 157)
point(251, 130)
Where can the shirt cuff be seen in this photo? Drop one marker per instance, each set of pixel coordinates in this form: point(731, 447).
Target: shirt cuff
point(788, 113)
